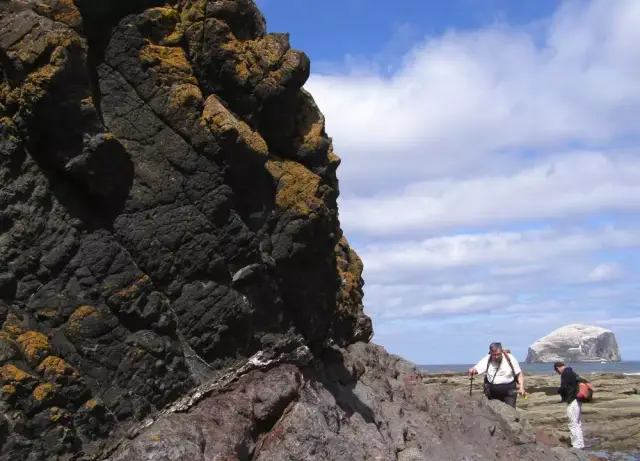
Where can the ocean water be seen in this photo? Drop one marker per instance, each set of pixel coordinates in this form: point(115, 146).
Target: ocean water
point(625, 367)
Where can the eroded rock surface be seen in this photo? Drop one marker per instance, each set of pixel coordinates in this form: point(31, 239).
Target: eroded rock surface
point(356, 404)
point(575, 343)
point(167, 210)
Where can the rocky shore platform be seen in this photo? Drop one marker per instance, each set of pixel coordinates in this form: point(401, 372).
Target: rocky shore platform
point(611, 421)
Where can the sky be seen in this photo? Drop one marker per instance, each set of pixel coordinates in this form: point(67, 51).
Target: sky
point(490, 170)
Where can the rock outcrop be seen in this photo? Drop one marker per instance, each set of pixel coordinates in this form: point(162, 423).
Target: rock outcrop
point(575, 343)
point(355, 404)
point(173, 276)
point(167, 210)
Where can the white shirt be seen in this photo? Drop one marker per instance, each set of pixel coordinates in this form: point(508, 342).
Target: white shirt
point(504, 373)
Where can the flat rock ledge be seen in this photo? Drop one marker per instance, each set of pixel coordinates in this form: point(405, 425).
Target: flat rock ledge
point(611, 420)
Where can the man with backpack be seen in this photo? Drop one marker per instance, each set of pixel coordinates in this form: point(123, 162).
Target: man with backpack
point(502, 375)
point(572, 394)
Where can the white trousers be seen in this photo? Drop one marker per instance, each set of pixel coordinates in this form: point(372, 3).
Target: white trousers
point(574, 413)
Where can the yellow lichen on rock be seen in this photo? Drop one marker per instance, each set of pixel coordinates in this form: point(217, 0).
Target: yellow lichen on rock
point(297, 187)
point(350, 269)
point(66, 12)
point(12, 374)
point(34, 345)
point(9, 389)
point(217, 118)
point(44, 391)
point(192, 11)
point(91, 403)
point(184, 95)
point(58, 414)
point(168, 21)
point(12, 326)
point(169, 64)
point(255, 58)
point(82, 312)
point(74, 324)
point(53, 366)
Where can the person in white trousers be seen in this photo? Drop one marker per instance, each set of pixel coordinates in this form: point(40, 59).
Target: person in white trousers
point(568, 391)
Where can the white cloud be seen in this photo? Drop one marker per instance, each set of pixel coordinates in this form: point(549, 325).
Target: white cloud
point(568, 185)
point(491, 184)
point(397, 259)
point(465, 96)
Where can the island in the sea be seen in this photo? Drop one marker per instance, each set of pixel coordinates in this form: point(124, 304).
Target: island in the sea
point(575, 343)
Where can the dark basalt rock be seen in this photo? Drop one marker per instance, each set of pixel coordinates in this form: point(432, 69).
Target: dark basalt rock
point(167, 210)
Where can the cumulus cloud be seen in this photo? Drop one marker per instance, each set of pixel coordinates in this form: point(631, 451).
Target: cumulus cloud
point(463, 97)
point(569, 185)
point(491, 181)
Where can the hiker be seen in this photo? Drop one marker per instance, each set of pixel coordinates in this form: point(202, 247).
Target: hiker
point(569, 392)
point(502, 377)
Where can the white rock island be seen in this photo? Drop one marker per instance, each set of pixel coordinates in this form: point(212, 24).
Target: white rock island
point(575, 343)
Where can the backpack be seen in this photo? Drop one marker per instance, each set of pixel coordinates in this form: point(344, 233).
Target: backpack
point(585, 390)
point(505, 354)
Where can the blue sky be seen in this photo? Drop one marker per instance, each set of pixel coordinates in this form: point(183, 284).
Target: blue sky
point(491, 170)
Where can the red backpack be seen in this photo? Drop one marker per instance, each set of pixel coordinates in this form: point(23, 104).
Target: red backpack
point(585, 390)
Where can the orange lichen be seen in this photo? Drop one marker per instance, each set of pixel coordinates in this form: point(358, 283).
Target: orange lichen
point(12, 325)
point(44, 391)
point(169, 64)
point(74, 324)
point(53, 365)
point(9, 389)
point(65, 11)
point(82, 312)
point(255, 58)
point(10, 373)
point(185, 95)
point(91, 403)
point(135, 287)
point(35, 346)
point(297, 187)
point(220, 121)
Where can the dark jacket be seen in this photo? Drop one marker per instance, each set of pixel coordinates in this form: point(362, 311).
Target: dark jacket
point(568, 385)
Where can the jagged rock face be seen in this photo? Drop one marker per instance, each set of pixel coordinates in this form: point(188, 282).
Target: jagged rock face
point(357, 404)
point(575, 343)
point(167, 209)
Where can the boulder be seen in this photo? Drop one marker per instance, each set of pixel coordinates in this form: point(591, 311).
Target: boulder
point(575, 343)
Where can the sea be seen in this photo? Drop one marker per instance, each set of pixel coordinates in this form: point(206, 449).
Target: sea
point(625, 368)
